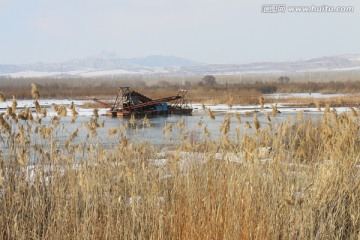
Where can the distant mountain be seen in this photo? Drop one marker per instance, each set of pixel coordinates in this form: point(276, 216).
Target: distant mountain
point(110, 64)
point(97, 64)
point(334, 63)
point(108, 60)
point(162, 61)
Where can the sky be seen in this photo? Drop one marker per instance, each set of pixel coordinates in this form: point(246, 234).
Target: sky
point(208, 31)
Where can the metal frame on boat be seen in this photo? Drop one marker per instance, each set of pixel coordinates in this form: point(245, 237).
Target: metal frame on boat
point(129, 103)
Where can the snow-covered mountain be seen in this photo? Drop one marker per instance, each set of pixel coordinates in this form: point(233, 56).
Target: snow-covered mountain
point(108, 60)
point(324, 64)
point(110, 64)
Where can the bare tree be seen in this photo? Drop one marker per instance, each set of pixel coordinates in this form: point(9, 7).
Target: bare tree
point(283, 80)
point(209, 80)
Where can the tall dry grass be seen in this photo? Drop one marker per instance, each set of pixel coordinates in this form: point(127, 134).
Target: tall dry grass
point(295, 180)
point(230, 89)
point(351, 100)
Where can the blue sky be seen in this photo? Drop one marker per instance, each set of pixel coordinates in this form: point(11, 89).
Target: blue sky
point(211, 31)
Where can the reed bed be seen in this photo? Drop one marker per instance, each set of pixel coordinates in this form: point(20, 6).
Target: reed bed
point(295, 180)
point(351, 100)
point(229, 89)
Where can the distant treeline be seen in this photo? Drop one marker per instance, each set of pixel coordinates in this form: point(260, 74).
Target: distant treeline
point(224, 87)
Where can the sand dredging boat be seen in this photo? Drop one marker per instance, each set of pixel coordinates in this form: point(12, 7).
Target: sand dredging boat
point(129, 103)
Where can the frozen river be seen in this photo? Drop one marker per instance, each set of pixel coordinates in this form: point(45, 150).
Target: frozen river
point(140, 131)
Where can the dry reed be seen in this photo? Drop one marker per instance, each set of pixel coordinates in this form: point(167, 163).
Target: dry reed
point(305, 186)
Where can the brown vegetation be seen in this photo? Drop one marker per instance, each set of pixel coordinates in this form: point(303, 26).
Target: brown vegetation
point(226, 89)
point(305, 186)
point(343, 101)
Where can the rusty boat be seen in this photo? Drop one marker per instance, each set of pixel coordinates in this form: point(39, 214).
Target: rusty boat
point(129, 102)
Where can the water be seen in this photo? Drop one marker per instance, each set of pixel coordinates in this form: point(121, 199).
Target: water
point(154, 134)
point(140, 132)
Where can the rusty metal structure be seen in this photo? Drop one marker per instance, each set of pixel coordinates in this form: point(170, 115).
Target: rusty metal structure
point(129, 103)
point(180, 105)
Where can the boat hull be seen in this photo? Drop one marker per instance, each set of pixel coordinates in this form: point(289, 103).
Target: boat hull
point(121, 113)
point(183, 111)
